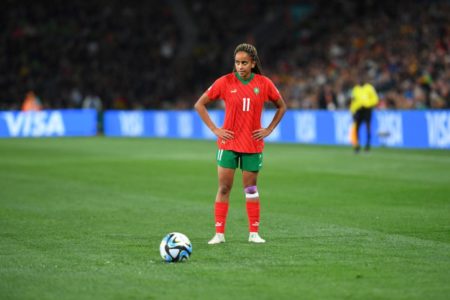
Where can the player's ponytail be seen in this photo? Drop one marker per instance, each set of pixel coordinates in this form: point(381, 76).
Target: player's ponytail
point(251, 50)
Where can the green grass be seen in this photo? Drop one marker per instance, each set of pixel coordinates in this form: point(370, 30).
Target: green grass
point(83, 218)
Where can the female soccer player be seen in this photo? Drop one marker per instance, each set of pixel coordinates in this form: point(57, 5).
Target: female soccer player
point(240, 140)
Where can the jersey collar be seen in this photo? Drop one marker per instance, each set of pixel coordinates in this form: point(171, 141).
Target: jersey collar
point(242, 79)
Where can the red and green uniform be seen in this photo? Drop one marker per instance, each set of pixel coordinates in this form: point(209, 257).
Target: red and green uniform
point(244, 103)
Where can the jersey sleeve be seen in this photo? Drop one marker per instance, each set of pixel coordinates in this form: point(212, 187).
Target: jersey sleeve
point(214, 92)
point(273, 94)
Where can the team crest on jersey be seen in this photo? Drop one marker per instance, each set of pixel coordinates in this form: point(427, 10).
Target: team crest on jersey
point(256, 90)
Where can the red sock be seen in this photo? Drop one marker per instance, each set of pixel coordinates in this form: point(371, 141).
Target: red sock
point(220, 212)
point(253, 215)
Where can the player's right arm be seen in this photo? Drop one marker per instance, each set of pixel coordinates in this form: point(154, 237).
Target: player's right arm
point(200, 107)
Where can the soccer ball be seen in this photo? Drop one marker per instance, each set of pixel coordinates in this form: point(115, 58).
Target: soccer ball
point(175, 247)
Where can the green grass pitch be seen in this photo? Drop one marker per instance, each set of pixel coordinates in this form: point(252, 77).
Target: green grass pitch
point(82, 218)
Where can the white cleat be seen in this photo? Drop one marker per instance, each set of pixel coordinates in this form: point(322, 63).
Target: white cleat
point(217, 239)
point(255, 238)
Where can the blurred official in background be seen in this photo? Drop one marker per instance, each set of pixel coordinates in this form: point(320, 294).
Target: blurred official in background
point(364, 99)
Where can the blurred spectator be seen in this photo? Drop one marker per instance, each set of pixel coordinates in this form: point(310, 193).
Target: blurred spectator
point(92, 102)
point(31, 102)
point(327, 98)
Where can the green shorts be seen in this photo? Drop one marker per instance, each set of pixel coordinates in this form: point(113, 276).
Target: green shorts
point(246, 161)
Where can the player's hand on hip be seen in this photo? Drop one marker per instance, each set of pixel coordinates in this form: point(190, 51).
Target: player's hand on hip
point(224, 134)
point(261, 133)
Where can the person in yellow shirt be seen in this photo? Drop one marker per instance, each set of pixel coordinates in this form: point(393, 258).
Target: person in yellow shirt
point(364, 99)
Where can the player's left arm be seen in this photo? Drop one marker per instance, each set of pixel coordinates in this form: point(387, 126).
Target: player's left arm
point(281, 106)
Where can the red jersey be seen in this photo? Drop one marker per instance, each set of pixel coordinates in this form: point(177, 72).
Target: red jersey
point(244, 103)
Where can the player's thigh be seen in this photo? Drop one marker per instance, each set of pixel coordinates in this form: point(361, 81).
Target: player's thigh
point(251, 162)
point(227, 159)
point(226, 177)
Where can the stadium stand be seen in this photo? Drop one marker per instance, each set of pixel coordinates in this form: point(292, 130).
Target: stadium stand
point(164, 54)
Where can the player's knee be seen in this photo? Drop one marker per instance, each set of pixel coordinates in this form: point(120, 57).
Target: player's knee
point(251, 192)
point(224, 189)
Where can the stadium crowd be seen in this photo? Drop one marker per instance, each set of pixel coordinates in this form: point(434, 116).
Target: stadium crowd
point(164, 54)
point(402, 48)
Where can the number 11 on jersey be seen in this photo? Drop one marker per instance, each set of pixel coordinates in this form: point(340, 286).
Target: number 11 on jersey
point(246, 104)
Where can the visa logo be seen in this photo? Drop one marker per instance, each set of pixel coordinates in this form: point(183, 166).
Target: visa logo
point(438, 124)
point(34, 124)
